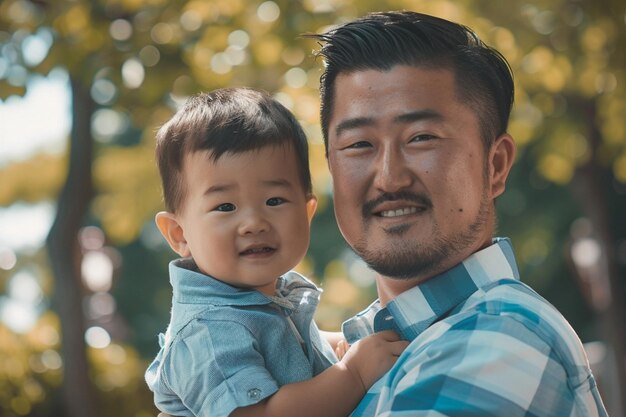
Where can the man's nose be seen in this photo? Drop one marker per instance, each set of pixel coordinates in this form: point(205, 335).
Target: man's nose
point(253, 222)
point(392, 170)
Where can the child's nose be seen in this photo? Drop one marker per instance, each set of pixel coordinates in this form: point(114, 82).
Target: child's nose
point(253, 223)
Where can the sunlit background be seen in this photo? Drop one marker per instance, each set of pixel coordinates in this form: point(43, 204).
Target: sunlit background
point(81, 305)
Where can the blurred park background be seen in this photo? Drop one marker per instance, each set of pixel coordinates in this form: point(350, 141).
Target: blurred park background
point(84, 84)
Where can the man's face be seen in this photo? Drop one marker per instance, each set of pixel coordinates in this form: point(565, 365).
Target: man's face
point(410, 171)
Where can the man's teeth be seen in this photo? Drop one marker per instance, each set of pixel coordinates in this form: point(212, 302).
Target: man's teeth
point(399, 212)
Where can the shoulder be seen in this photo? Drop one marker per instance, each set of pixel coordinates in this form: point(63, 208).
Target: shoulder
point(509, 316)
point(515, 304)
point(504, 349)
point(204, 330)
point(204, 339)
point(215, 365)
point(293, 278)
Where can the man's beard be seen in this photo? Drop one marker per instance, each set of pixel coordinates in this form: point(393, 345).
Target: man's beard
point(408, 259)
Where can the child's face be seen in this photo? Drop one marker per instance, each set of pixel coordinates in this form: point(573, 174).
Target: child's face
point(245, 219)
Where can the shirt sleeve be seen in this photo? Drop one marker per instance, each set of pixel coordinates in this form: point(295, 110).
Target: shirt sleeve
point(481, 366)
point(218, 369)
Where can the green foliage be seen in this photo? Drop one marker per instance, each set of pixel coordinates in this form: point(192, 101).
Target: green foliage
point(31, 371)
point(29, 367)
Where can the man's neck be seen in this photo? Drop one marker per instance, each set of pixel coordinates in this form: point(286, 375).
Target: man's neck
point(389, 288)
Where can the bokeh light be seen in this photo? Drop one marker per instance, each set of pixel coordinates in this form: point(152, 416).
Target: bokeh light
point(8, 258)
point(121, 30)
point(97, 337)
point(133, 73)
point(268, 11)
point(97, 271)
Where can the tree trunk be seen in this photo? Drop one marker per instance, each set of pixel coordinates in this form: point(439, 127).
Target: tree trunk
point(65, 258)
point(593, 185)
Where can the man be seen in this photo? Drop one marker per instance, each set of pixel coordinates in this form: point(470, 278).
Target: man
point(414, 113)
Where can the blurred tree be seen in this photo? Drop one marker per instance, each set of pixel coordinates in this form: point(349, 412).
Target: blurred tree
point(131, 61)
point(570, 63)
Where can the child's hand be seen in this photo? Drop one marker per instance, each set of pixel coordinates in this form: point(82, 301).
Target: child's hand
point(369, 358)
point(341, 348)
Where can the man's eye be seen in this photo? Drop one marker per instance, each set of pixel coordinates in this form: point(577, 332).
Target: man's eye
point(358, 145)
point(225, 207)
point(275, 201)
point(423, 137)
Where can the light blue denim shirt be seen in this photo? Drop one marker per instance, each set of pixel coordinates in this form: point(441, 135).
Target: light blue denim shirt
point(482, 344)
point(227, 347)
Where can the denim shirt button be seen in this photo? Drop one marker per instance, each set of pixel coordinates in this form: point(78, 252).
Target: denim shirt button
point(254, 394)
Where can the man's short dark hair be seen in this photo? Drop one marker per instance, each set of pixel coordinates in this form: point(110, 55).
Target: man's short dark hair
point(380, 41)
point(229, 120)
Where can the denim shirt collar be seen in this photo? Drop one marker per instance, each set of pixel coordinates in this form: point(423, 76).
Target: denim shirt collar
point(190, 286)
point(413, 311)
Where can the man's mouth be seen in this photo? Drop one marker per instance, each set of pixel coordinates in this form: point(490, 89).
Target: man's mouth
point(390, 205)
point(399, 212)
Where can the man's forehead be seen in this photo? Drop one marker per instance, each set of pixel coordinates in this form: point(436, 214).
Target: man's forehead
point(403, 92)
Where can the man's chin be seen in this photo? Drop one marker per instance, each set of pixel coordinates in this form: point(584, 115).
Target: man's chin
point(402, 272)
point(398, 230)
point(400, 262)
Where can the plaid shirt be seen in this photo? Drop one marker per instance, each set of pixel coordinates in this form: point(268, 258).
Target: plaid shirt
point(482, 344)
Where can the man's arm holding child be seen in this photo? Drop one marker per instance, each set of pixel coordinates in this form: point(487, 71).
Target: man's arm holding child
point(337, 390)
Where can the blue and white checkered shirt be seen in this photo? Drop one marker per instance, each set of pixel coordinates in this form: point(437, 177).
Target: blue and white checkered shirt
point(482, 344)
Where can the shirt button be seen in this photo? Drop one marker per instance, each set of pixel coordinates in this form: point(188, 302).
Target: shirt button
point(254, 394)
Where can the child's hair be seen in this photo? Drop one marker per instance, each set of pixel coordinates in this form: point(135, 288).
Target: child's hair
point(229, 120)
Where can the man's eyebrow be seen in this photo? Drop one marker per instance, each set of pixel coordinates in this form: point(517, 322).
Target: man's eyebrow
point(408, 117)
point(353, 123)
point(416, 116)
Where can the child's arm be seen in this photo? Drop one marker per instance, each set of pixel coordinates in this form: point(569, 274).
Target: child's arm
point(337, 390)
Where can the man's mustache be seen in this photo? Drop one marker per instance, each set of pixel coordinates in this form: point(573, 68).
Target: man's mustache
point(421, 199)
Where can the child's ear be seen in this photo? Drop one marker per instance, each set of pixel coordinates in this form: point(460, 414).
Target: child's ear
point(311, 205)
point(173, 232)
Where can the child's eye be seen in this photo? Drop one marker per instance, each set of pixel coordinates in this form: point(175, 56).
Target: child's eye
point(275, 201)
point(225, 207)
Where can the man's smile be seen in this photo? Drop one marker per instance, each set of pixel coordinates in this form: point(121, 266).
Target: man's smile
point(397, 205)
point(399, 212)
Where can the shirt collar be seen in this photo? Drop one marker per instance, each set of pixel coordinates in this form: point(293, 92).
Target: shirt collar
point(190, 286)
point(411, 312)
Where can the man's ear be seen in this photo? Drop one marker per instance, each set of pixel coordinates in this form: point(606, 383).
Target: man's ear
point(501, 158)
point(311, 206)
point(173, 232)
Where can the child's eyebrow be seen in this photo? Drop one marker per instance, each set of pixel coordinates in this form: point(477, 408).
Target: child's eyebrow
point(223, 188)
point(218, 188)
point(283, 183)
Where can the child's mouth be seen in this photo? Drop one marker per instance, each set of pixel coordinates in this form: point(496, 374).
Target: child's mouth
point(258, 251)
